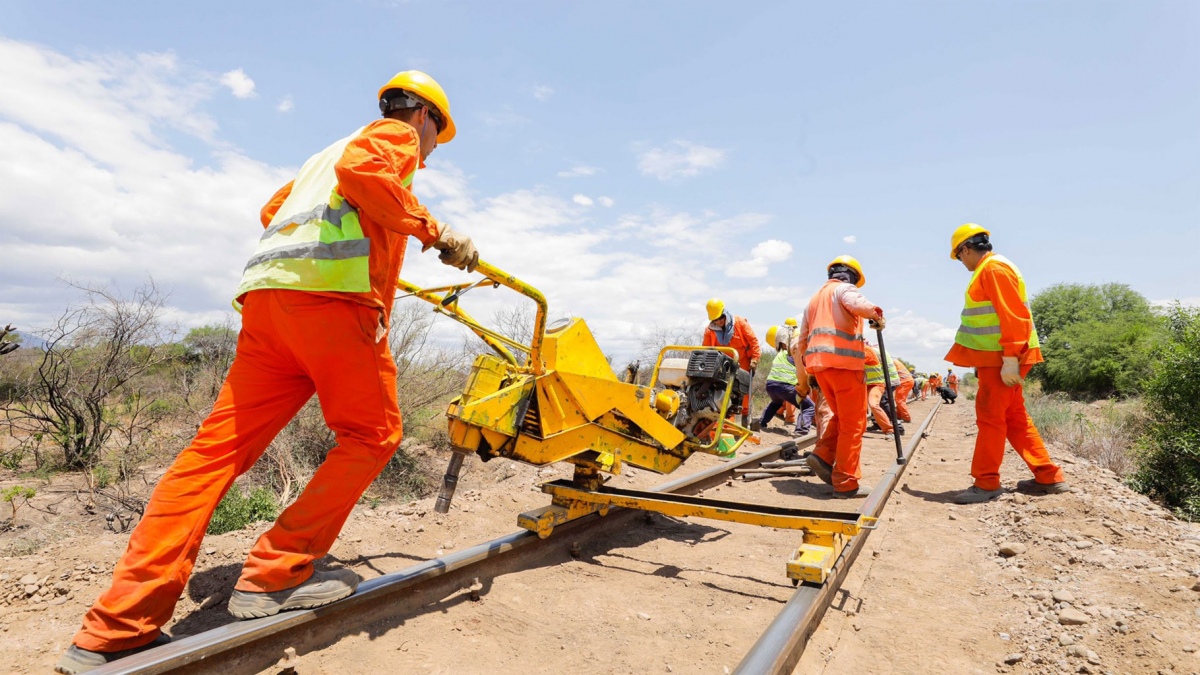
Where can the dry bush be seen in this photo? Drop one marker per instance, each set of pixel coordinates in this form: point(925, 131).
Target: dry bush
point(1103, 432)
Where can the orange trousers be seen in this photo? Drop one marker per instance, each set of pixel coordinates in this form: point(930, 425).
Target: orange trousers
point(1000, 414)
point(840, 443)
point(874, 396)
point(292, 344)
point(954, 387)
point(902, 394)
point(822, 415)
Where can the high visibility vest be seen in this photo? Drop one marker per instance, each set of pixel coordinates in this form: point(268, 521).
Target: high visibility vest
point(834, 335)
point(979, 327)
point(782, 370)
point(315, 241)
point(875, 373)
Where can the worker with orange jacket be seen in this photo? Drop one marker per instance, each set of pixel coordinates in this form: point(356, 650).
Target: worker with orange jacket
point(903, 391)
point(877, 394)
point(829, 344)
point(726, 330)
point(316, 300)
point(952, 380)
point(998, 339)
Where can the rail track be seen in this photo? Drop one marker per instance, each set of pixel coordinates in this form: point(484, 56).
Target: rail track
point(260, 644)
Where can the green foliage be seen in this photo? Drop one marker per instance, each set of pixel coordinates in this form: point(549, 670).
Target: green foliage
point(17, 496)
point(1097, 340)
point(239, 509)
point(1170, 450)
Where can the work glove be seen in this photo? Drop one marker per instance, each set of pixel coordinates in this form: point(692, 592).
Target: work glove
point(878, 322)
point(1010, 372)
point(457, 249)
point(753, 365)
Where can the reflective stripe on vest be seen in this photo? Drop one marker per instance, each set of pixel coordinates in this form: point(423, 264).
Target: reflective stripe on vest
point(980, 325)
point(831, 345)
point(782, 370)
point(315, 241)
point(875, 374)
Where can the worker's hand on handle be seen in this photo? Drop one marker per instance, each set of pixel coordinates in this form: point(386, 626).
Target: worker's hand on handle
point(457, 249)
point(878, 322)
point(1010, 372)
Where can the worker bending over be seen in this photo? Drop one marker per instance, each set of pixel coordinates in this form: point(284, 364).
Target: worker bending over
point(316, 301)
point(726, 330)
point(782, 381)
point(998, 339)
point(877, 392)
point(903, 390)
point(829, 345)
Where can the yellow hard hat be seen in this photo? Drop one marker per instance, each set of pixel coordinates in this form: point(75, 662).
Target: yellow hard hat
point(427, 88)
point(963, 233)
point(852, 263)
point(715, 309)
point(790, 321)
point(772, 333)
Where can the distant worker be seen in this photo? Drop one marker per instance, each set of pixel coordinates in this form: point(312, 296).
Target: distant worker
point(829, 345)
point(781, 383)
point(877, 393)
point(920, 382)
point(907, 382)
point(998, 339)
point(726, 330)
point(316, 301)
point(789, 410)
point(952, 380)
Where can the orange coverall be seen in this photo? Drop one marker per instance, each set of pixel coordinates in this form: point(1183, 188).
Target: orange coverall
point(903, 391)
point(743, 340)
point(292, 344)
point(840, 307)
point(952, 380)
point(875, 394)
point(1000, 410)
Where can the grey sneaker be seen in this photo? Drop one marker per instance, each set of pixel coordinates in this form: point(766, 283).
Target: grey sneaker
point(1032, 487)
point(974, 495)
point(862, 491)
point(322, 588)
point(76, 660)
point(820, 468)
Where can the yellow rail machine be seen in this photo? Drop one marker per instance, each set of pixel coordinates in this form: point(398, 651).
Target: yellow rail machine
point(556, 399)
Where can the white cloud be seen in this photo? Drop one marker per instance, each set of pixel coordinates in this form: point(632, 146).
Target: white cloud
point(679, 159)
point(1186, 302)
point(577, 171)
point(286, 105)
point(542, 92)
point(606, 202)
point(582, 200)
point(760, 260)
point(504, 117)
point(850, 239)
point(239, 83)
point(915, 338)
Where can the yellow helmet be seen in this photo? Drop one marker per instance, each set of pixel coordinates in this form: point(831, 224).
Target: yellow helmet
point(852, 263)
point(427, 88)
point(715, 309)
point(772, 333)
point(790, 321)
point(963, 233)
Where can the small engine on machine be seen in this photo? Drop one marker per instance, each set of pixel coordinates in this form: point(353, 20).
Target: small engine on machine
point(697, 386)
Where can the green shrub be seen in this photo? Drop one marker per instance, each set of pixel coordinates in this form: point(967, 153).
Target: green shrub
point(239, 509)
point(1169, 459)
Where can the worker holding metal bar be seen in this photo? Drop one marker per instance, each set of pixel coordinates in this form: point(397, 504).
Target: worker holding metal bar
point(829, 344)
point(782, 381)
point(316, 302)
point(998, 339)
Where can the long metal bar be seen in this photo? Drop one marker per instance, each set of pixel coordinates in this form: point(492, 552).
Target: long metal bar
point(254, 645)
point(780, 647)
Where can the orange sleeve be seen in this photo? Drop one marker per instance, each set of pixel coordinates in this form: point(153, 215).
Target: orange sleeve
point(753, 349)
point(872, 356)
point(998, 284)
point(710, 338)
point(369, 176)
point(856, 303)
point(272, 207)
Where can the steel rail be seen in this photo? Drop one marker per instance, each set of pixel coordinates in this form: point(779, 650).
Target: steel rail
point(258, 644)
point(780, 647)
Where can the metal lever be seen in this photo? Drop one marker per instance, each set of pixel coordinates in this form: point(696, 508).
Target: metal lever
point(887, 383)
point(449, 483)
point(453, 297)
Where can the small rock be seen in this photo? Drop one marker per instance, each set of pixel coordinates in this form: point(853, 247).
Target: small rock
point(1063, 596)
point(954, 517)
point(1069, 616)
point(1019, 498)
point(1014, 658)
point(1039, 595)
point(1066, 640)
point(643, 616)
point(210, 551)
point(1009, 548)
point(1196, 586)
point(1083, 544)
point(1078, 650)
point(28, 580)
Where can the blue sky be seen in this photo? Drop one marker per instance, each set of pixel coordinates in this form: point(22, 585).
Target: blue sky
point(630, 158)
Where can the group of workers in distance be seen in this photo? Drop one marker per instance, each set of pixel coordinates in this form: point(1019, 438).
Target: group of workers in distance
point(316, 301)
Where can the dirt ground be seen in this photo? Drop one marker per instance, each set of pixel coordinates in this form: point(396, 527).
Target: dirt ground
point(930, 592)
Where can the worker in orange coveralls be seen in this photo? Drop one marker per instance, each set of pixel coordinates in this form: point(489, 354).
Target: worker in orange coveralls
point(877, 393)
point(726, 330)
point(829, 344)
point(952, 380)
point(316, 301)
point(998, 339)
point(903, 391)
